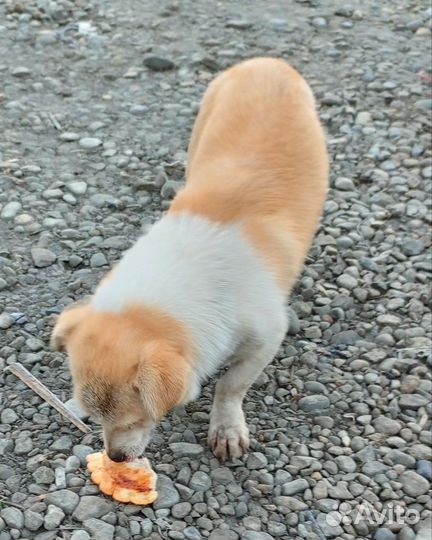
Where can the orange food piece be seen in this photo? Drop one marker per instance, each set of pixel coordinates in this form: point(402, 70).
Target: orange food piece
point(128, 482)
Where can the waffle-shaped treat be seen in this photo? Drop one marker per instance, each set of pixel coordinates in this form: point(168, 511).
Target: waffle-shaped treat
point(128, 482)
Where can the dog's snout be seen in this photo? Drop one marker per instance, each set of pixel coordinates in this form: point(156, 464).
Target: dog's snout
point(117, 455)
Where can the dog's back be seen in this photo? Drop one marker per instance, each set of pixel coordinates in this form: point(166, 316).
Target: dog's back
point(257, 157)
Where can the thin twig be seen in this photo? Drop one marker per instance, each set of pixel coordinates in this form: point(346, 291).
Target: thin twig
point(8, 503)
point(30, 380)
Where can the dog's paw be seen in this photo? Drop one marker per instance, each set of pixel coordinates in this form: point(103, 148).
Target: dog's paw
point(228, 441)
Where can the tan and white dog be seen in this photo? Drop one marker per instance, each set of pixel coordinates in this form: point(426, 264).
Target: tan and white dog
point(209, 282)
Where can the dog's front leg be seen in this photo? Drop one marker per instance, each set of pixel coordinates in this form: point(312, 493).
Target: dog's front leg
point(228, 433)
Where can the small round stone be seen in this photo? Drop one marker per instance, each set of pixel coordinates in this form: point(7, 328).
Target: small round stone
point(90, 143)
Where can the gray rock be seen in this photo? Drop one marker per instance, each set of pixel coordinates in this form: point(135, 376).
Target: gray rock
point(32, 520)
point(200, 481)
point(222, 475)
point(97, 260)
point(346, 337)
point(412, 401)
point(256, 535)
point(347, 281)
point(184, 449)
point(157, 63)
point(44, 475)
point(223, 534)
point(294, 487)
point(65, 499)
point(168, 495)
point(62, 444)
point(181, 510)
point(413, 484)
point(21, 72)
point(69, 136)
point(371, 468)
point(91, 507)
point(387, 426)
point(256, 460)
point(10, 210)
point(146, 527)
point(80, 534)
point(384, 534)
point(8, 416)
point(346, 464)
point(53, 518)
point(344, 184)
point(6, 321)
point(424, 468)
point(13, 517)
point(100, 530)
point(81, 451)
point(43, 257)
point(315, 403)
point(89, 143)
point(77, 188)
point(192, 533)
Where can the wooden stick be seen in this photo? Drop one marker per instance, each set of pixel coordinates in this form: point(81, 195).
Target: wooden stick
point(30, 380)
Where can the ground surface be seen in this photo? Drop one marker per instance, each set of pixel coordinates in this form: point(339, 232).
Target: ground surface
point(89, 135)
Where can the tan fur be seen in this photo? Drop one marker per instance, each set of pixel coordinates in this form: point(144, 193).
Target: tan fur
point(138, 350)
point(257, 157)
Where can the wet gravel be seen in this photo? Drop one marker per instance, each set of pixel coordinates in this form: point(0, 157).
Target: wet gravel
point(97, 100)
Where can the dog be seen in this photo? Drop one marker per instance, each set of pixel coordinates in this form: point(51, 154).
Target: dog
point(208, 284)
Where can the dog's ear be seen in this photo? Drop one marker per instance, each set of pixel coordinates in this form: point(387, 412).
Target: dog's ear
point(65, 325)
point(163, 378)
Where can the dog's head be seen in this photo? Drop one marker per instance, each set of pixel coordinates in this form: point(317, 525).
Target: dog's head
point(129, 369)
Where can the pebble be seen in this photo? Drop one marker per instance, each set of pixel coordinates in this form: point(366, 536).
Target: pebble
point(256, 535)
point(256, 460)
point(91, 507)
point(158, 63)
point(386, 425)
point(77, 188)
point(347, 281)
point(65, 499)
point(192, 533)
point(384, 534)
point(200, 481)
point(168, 494)
point(344, 184)
point(97, 260)
point(80, 534)
point(13, 517)
point(32, 520)
point(21, 72)
point(6, 321)
point(8, 416)
point(44, 475)
point(10, 210)
point(53, 518)
point(223, 534)
point(413, 484)
point(90, 143)
point(314, 404)
point(43, 257)
point(424, 468)
point(184, 449)
point(294, 487)
point(99, 530)
point(412, 401)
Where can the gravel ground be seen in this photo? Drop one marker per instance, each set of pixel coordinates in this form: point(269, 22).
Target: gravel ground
point(97, 101)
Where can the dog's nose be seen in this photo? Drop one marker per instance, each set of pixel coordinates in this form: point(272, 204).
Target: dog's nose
point(117, 455)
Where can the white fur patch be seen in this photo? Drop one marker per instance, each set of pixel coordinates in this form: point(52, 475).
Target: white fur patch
point(206, 276)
